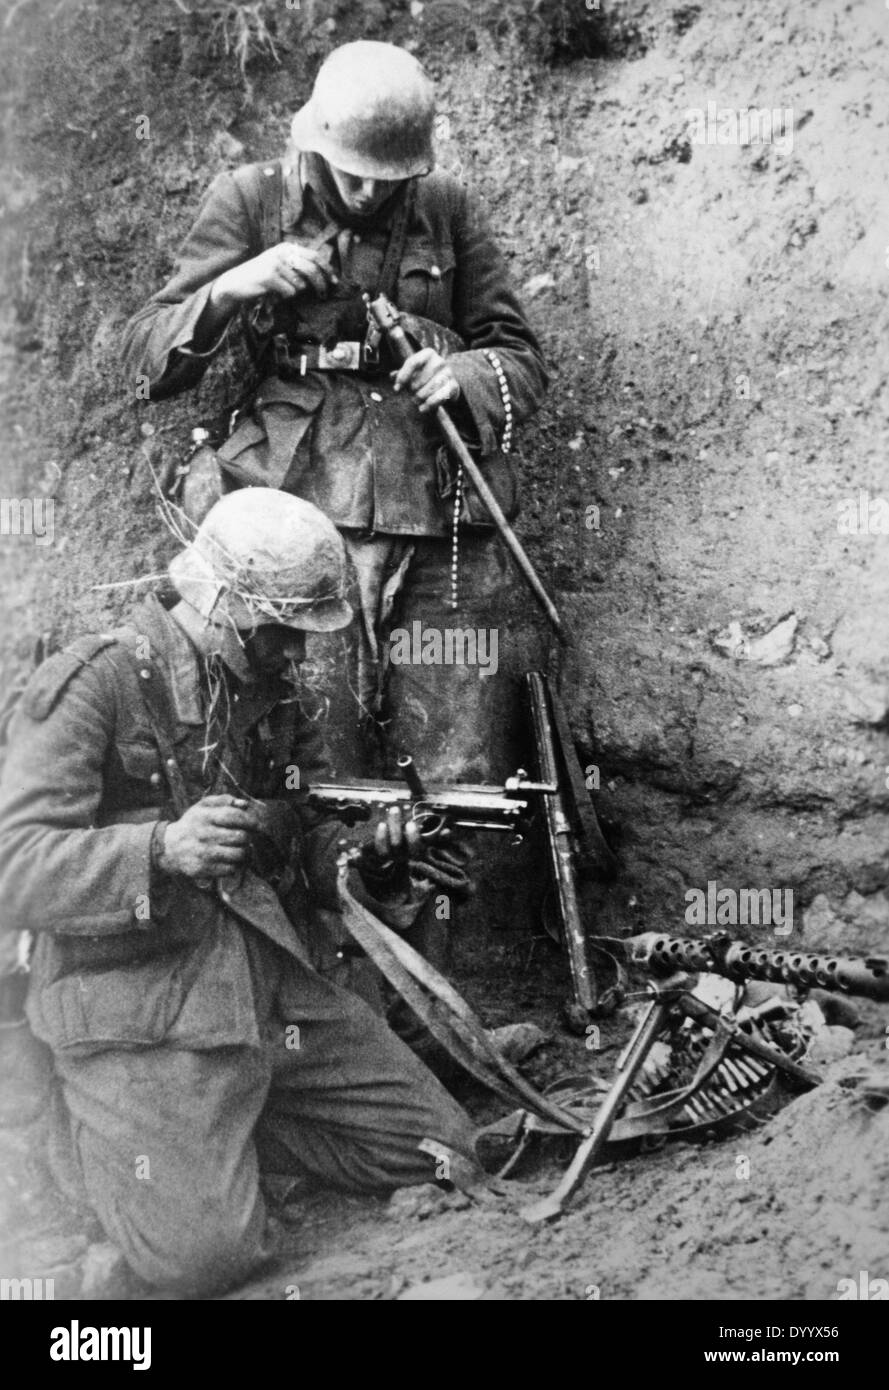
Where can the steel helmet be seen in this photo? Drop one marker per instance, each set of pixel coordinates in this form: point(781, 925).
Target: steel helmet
point(370, 113)
point(262, 556)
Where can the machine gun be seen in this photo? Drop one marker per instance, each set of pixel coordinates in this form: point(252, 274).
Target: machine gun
point(716, 1067)
point(722, 1063)
point(558, 798)
point(867, 976)
point(463, 806)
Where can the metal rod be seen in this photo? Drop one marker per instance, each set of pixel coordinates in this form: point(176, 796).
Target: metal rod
point(639, 1048)
point(387, 318)
point(408, 768)
point(700, 1011)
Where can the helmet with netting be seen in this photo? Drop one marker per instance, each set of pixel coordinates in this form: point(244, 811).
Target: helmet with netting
point(262, 556)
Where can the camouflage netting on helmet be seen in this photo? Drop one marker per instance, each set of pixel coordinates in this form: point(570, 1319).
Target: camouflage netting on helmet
point(262, 556)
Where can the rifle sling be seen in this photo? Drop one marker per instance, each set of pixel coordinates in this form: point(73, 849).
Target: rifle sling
point(446, 1014)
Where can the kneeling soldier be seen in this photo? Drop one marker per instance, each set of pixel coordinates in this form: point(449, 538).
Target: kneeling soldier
point(149, 844)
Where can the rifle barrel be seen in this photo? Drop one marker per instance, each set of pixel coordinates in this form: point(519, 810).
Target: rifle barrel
point(561, 847)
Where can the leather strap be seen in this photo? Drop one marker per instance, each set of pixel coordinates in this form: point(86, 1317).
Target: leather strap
point(443, 1011)
point(395, 245)
point(271, 191)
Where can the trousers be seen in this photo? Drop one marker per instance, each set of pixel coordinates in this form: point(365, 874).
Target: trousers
point(168, 1146)
point(412, 674)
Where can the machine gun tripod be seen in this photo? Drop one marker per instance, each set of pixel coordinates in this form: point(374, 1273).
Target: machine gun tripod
point(735, 1068)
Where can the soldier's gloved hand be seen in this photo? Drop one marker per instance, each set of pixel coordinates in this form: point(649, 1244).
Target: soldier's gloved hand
point(444, 862)
point(285, 270)
point(210, 840)
point(427, 374)
point(385, 861)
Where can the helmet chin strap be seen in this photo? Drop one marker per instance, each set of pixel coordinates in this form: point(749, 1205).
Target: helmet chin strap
point(220, 639)
point(229, 647)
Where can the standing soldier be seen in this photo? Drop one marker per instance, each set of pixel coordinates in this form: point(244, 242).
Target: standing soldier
point(289, 248)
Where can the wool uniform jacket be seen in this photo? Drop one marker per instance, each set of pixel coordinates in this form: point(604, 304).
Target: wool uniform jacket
point(125, 955)
point(344, 439)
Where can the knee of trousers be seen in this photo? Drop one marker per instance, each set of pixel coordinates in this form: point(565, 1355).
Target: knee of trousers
point(198, 1249)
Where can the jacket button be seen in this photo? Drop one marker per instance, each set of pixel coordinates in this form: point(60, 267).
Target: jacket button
point(435, 272)
point(375, 396)
point(171, 762)
point(155, 779)
point(145, 673)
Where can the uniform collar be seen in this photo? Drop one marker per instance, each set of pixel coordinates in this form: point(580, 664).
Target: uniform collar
point(172, 649)
point(304, 189)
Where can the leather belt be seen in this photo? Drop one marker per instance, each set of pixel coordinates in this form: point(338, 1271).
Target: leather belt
point(297, 359)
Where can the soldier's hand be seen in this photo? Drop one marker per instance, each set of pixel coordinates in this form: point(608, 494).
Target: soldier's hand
point(285, 270)
point(429, 377)
point(210, 840)
point(385, 861)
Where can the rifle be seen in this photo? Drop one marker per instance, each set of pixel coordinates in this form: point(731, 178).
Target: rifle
point(737, 1062)
point(575, 845)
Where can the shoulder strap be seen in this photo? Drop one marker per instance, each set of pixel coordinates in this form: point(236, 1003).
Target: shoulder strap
point(271, 191)
point(259, 318)
point(51, 678)
point(397, 238)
